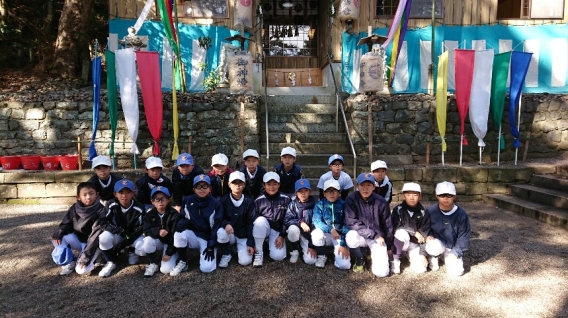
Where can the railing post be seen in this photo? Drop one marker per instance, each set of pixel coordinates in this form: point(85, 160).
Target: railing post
point(79, 157)
point(370, 130)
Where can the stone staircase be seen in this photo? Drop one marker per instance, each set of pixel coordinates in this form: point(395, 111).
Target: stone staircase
point(308, 124)
point(544, 198)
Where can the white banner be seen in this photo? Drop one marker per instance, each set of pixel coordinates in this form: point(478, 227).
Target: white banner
point(481, 94)
point(126, 77)
point(197, 57)
point(143, 15)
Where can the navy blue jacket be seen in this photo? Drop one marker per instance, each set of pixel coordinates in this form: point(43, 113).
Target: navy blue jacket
point(288, 179)
point(453, 230)
point(153, 223)
point(299, 212)
point(273, 208)
point(240, 218)
point(253, 186)
point(79, 219)
point(204, 217)
point(145, 185)
point(418, 222)
point(105, 193)
point(183, 185)
point(220, 186)
point(127, 224)
point(370, 218)
point(384, 189)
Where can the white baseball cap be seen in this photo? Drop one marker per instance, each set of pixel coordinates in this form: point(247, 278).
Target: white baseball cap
point(271, 176)
point(250, 153)
point(101, 161)
point(288, 151)
point(237, 175)
point(411, 186)
point(331, 183)
point(219, 159)
point(378, 165)
point(445, 187)
point(153, 162)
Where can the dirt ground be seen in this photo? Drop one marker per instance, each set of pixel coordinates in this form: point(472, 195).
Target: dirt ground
point(515, 266)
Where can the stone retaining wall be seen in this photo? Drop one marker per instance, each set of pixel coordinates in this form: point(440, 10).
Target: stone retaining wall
point(471, 182)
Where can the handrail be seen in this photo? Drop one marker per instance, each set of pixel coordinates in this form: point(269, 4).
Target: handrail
point(266, 164)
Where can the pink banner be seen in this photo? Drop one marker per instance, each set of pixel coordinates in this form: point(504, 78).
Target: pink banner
point(150, 81)
point(464, 64)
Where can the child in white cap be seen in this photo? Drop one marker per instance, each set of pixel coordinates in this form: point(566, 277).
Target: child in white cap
point(253, 173)
point(219, 175)
point(104, 179)
point(450, 229)
point(383, 186)
point(288, 170)
point(411, 226)
point(335, 163)
point(152, 178)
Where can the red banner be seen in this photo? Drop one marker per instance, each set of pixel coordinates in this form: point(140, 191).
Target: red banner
point(464, 62)
point(150, 81)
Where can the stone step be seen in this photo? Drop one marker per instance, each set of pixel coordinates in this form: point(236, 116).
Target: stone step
point(540, 211)
point(283, 101)
point(299, 108)
point(562, 170)
point(296, 127)
point(309, 148)
point(305, 160)
point(555, 198)
point(307, 137)
point(304, 118)
point(550, 181)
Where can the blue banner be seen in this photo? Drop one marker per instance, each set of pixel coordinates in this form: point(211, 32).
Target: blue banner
point(96, 78)
point(519, 66)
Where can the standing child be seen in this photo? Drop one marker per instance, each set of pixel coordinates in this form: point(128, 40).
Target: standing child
point(383, 186)
point(369, 221)
point(298, 223)
point(253, 173)
point(75, 228)
point(271, 208)
point(121, 227)
point(159, 228)
point(219, 175)
point(288, 170)
point(411, 226)
point(152, 178)
point(335, 163)
point(182, 178)
point(451, 231)
point(104, 179)
point(238, 223)
point(201, 218)
point(330, 228)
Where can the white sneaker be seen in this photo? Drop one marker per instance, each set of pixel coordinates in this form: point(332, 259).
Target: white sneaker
point(109, 267)
point(68, 269)
point(395, 266)
point(294, 255)
point(132, 258)
point(320, 262)
point(150, 270)
point(434, 264)
point(257, 260)
point(180, 267)
point(225, 259)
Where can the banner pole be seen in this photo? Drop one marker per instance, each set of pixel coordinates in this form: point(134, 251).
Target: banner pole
point(498, 146)
point(461, 149)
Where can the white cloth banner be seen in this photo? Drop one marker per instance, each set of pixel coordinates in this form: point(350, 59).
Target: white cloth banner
point(143, 15)
point(533, 46)
point(425, 60)
point(126, 77)
point(356, 73)
point(167, 64)
point(481, 93)
point(401, 76)
point(197, 57)
point(478, 45)
point(559, 52)
point(506, 46)
point(112, 42)
point(451, 46)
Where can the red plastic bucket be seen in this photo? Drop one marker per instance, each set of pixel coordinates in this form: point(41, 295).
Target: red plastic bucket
point(69, 162)
point(10, 162)
point(50, 162)
point(30, 162)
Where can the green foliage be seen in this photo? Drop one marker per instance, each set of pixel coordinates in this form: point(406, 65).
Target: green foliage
point(211, 81)
point(205, 42)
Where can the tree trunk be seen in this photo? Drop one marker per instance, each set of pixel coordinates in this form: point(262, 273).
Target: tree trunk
point(72, 37)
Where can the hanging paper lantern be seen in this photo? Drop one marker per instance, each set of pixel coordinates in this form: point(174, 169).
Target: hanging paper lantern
point(348, 10)
point(372, 72)
point(243, 13)
point(240, 73)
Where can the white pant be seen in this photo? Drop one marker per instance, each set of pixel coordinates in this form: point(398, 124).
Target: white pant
point(150, 245)
point(244, 257)
point(262, 230)
point(294, 235)
point(73, 241)
point(319, 238)
point(107, 240)
point(188, 239)
point(413, 250)
point(379, 254)
point(436, 248)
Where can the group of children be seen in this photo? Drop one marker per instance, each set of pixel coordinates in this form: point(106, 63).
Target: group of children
point(247, 208)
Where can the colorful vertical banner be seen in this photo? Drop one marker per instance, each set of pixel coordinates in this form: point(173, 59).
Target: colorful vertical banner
point(396, 34)
point(175, 150)
point(481, 94)
point(126, 75)
point(441, 96)
point(499, 89)
point(111, 98)
point(464, 63)
point(96, 78)
point(520, 62)
point(168, 23)
point(149, 72)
